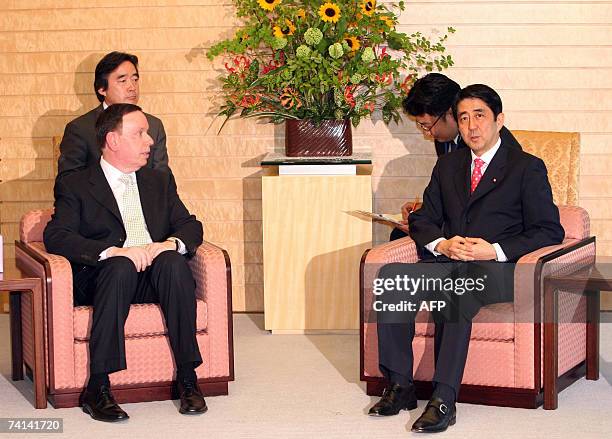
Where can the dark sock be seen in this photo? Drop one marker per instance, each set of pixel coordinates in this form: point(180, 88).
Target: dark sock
point(96, 381)
point(402, 380)
point(186, 372)
point(444, 392)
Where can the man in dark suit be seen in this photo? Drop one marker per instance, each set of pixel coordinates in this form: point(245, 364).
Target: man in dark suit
point(429, 101)
point(486, 202)
point(115, 82)
point(127, 235)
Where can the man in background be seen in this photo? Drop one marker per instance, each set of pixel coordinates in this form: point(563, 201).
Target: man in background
point(116, 81)
point(430, 102)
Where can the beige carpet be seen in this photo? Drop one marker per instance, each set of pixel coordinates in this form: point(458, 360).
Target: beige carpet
point(294, 386)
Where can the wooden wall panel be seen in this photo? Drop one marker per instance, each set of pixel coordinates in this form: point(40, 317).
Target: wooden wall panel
point(551, 61)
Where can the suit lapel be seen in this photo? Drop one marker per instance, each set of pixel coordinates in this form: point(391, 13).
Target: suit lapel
point(492, 177)
point(101, 191)
point(146, 190)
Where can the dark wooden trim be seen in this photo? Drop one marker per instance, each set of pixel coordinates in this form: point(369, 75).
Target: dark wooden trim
point(16, 336)
point(488, 395)
point(230, 317)
point(32, 286)
point(47, 308)
point(593, 307)
point(148, 393)
point(361, 314)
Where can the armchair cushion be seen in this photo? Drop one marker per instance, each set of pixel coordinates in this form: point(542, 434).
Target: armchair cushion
point(144, 320)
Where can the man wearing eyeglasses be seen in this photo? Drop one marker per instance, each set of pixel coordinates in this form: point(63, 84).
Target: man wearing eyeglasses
point(429, 101)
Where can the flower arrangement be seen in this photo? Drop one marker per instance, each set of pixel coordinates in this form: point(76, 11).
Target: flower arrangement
point(317, 60)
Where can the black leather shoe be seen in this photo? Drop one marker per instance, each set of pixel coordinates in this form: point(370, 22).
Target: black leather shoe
point(394, 399)
point(192, 400)
point(438, 415)
point(101, 405)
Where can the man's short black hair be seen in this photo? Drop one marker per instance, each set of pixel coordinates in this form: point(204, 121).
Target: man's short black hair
point(111, 119)
point(107, 65)
point(482, 92)
point(432, 94)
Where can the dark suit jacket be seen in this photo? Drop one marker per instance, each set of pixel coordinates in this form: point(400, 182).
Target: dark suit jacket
point(87, 219)
point(507, 140)
point(512, 205)
point(79, 148)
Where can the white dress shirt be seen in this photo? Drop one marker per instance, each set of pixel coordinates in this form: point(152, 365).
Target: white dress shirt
point(486, 158)
point(113, 175)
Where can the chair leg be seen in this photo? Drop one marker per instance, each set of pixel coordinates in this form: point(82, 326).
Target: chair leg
point(592, 363)
point(16, 341)
point(551, 339)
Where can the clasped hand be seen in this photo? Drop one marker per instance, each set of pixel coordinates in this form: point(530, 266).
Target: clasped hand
point(142, 256)
point(459, 248)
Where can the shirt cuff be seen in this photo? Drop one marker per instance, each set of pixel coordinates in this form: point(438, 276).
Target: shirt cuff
point(500, 255)
point(182, 248)
point(432, 245)
point(103, 255)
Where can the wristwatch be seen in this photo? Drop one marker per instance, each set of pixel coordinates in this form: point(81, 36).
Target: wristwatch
point(176, 242)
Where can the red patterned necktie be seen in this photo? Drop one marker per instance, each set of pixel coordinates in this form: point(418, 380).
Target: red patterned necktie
point(476, 173)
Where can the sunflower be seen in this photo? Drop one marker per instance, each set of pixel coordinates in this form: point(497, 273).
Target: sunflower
point(288, 29)
point(388, 21)
point(329, 12)
point(301, 14)
point(268, 5)
point(368, 6)
point(353, 43)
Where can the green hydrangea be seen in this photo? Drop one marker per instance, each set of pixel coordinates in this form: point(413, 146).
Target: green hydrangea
point(279, 43)
point(313, 36)
point(335, 50)
point(346, 47)
point(356, 78)
point(367, 55)
point(302, 51)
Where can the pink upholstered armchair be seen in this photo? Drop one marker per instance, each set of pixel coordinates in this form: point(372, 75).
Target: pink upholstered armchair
point(149, 358)
point(505, 364)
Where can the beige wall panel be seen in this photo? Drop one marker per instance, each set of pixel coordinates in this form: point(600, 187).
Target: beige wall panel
point(218, 146)
point(598, 208)
point(212, 167)
point(107, 40)
point(602, 229)
point(25, 147)
point(32, 169)
point(47, 126)
point(24, 190)
point(514, 35)
point(109, 18)
point(595, 186)
point(595, 164)
point(535, 78)
point(453, 13)
point(604, 248)
point(559, 120)
point(398, 187)
point(552, 100)
point(513, 57)
point(595, 143)
point(12, 211)
point(413, 165)
point(62, 4)
point(32, 105)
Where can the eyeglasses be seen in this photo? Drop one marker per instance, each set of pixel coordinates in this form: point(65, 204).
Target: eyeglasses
point(427, 129)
